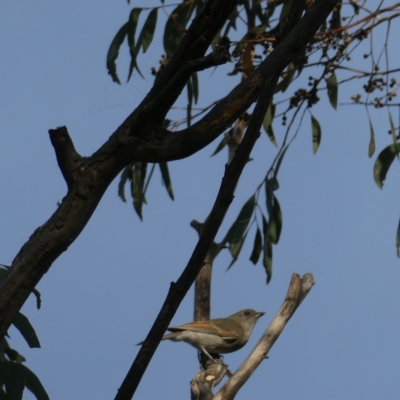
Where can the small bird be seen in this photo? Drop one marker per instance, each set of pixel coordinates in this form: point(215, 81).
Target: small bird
point(218, 336)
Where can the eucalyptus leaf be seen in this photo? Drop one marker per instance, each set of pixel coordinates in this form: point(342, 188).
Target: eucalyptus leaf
point(383, 163)
point(235, 249)
point(26, 329)
point(33, 383)
point(332, 86)
point(257, 247)
point(147, 33)
point(113, 52)
point(195, 84)
point(175, 26)
point(133, 49)
point(393, 132)
point(371, 146)
point(267, 252)
point(238, 228)
point(267, 123)
point(166, 178)
point(126, 174)
point(137, 185)
point(13, 380)
point(316, 133)
point(275, 221)
point(336, 20)
point(222, 143)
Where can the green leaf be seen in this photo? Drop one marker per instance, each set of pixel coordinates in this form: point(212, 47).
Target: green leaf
point(267, 260)
point(190, 100)
point(175, 26)
point(13, 355)
point(13, 380)
point(195, 84)
point(166, 178)
point(257, 247)
point(371, 146)
point(272, 184)
point(260, 14)
point(146, 185)
point(270, 133)
point(267, 253)
point(275, 221)
point(126, 174)
point(222, 143)
point(147, 33)
point(113, 51)
point(235, 249)
point(33, 383)
point(286, 9)
point(238, 228)
point(393, 132)
point(132, 25)
point(316, 133)
point(137, 184)
point(287, 80)
point(332, 86)
point(336, 20)
point(383, 163)
point(24, 326)
point(267, 123)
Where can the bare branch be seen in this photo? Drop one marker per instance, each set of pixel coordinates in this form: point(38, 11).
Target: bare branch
point(298, 290)
point(203, 383)
point(65, 153)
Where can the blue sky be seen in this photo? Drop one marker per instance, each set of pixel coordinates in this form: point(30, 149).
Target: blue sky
point(101, 296)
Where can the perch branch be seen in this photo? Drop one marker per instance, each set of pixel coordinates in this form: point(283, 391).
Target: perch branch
point(298, 290)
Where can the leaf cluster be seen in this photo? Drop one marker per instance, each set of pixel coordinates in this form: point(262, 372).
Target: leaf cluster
point(258, 26)
point(14, 376)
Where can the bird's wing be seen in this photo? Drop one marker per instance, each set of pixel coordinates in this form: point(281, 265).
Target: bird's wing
point(206, 327)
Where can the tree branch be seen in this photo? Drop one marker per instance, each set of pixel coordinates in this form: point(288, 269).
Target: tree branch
point(66, 154)
point(298, 290)
point(182, 144)
point(140, 139)
point(89, 177)
point(179, 289)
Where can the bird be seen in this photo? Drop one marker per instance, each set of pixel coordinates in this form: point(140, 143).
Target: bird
point(217, 336)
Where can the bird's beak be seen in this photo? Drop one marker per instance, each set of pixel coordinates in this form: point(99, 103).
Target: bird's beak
point(259, 314)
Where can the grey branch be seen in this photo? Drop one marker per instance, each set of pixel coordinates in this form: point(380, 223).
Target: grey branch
point(298, 290)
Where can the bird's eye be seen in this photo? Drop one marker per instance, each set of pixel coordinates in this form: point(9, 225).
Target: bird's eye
point(247, 313)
